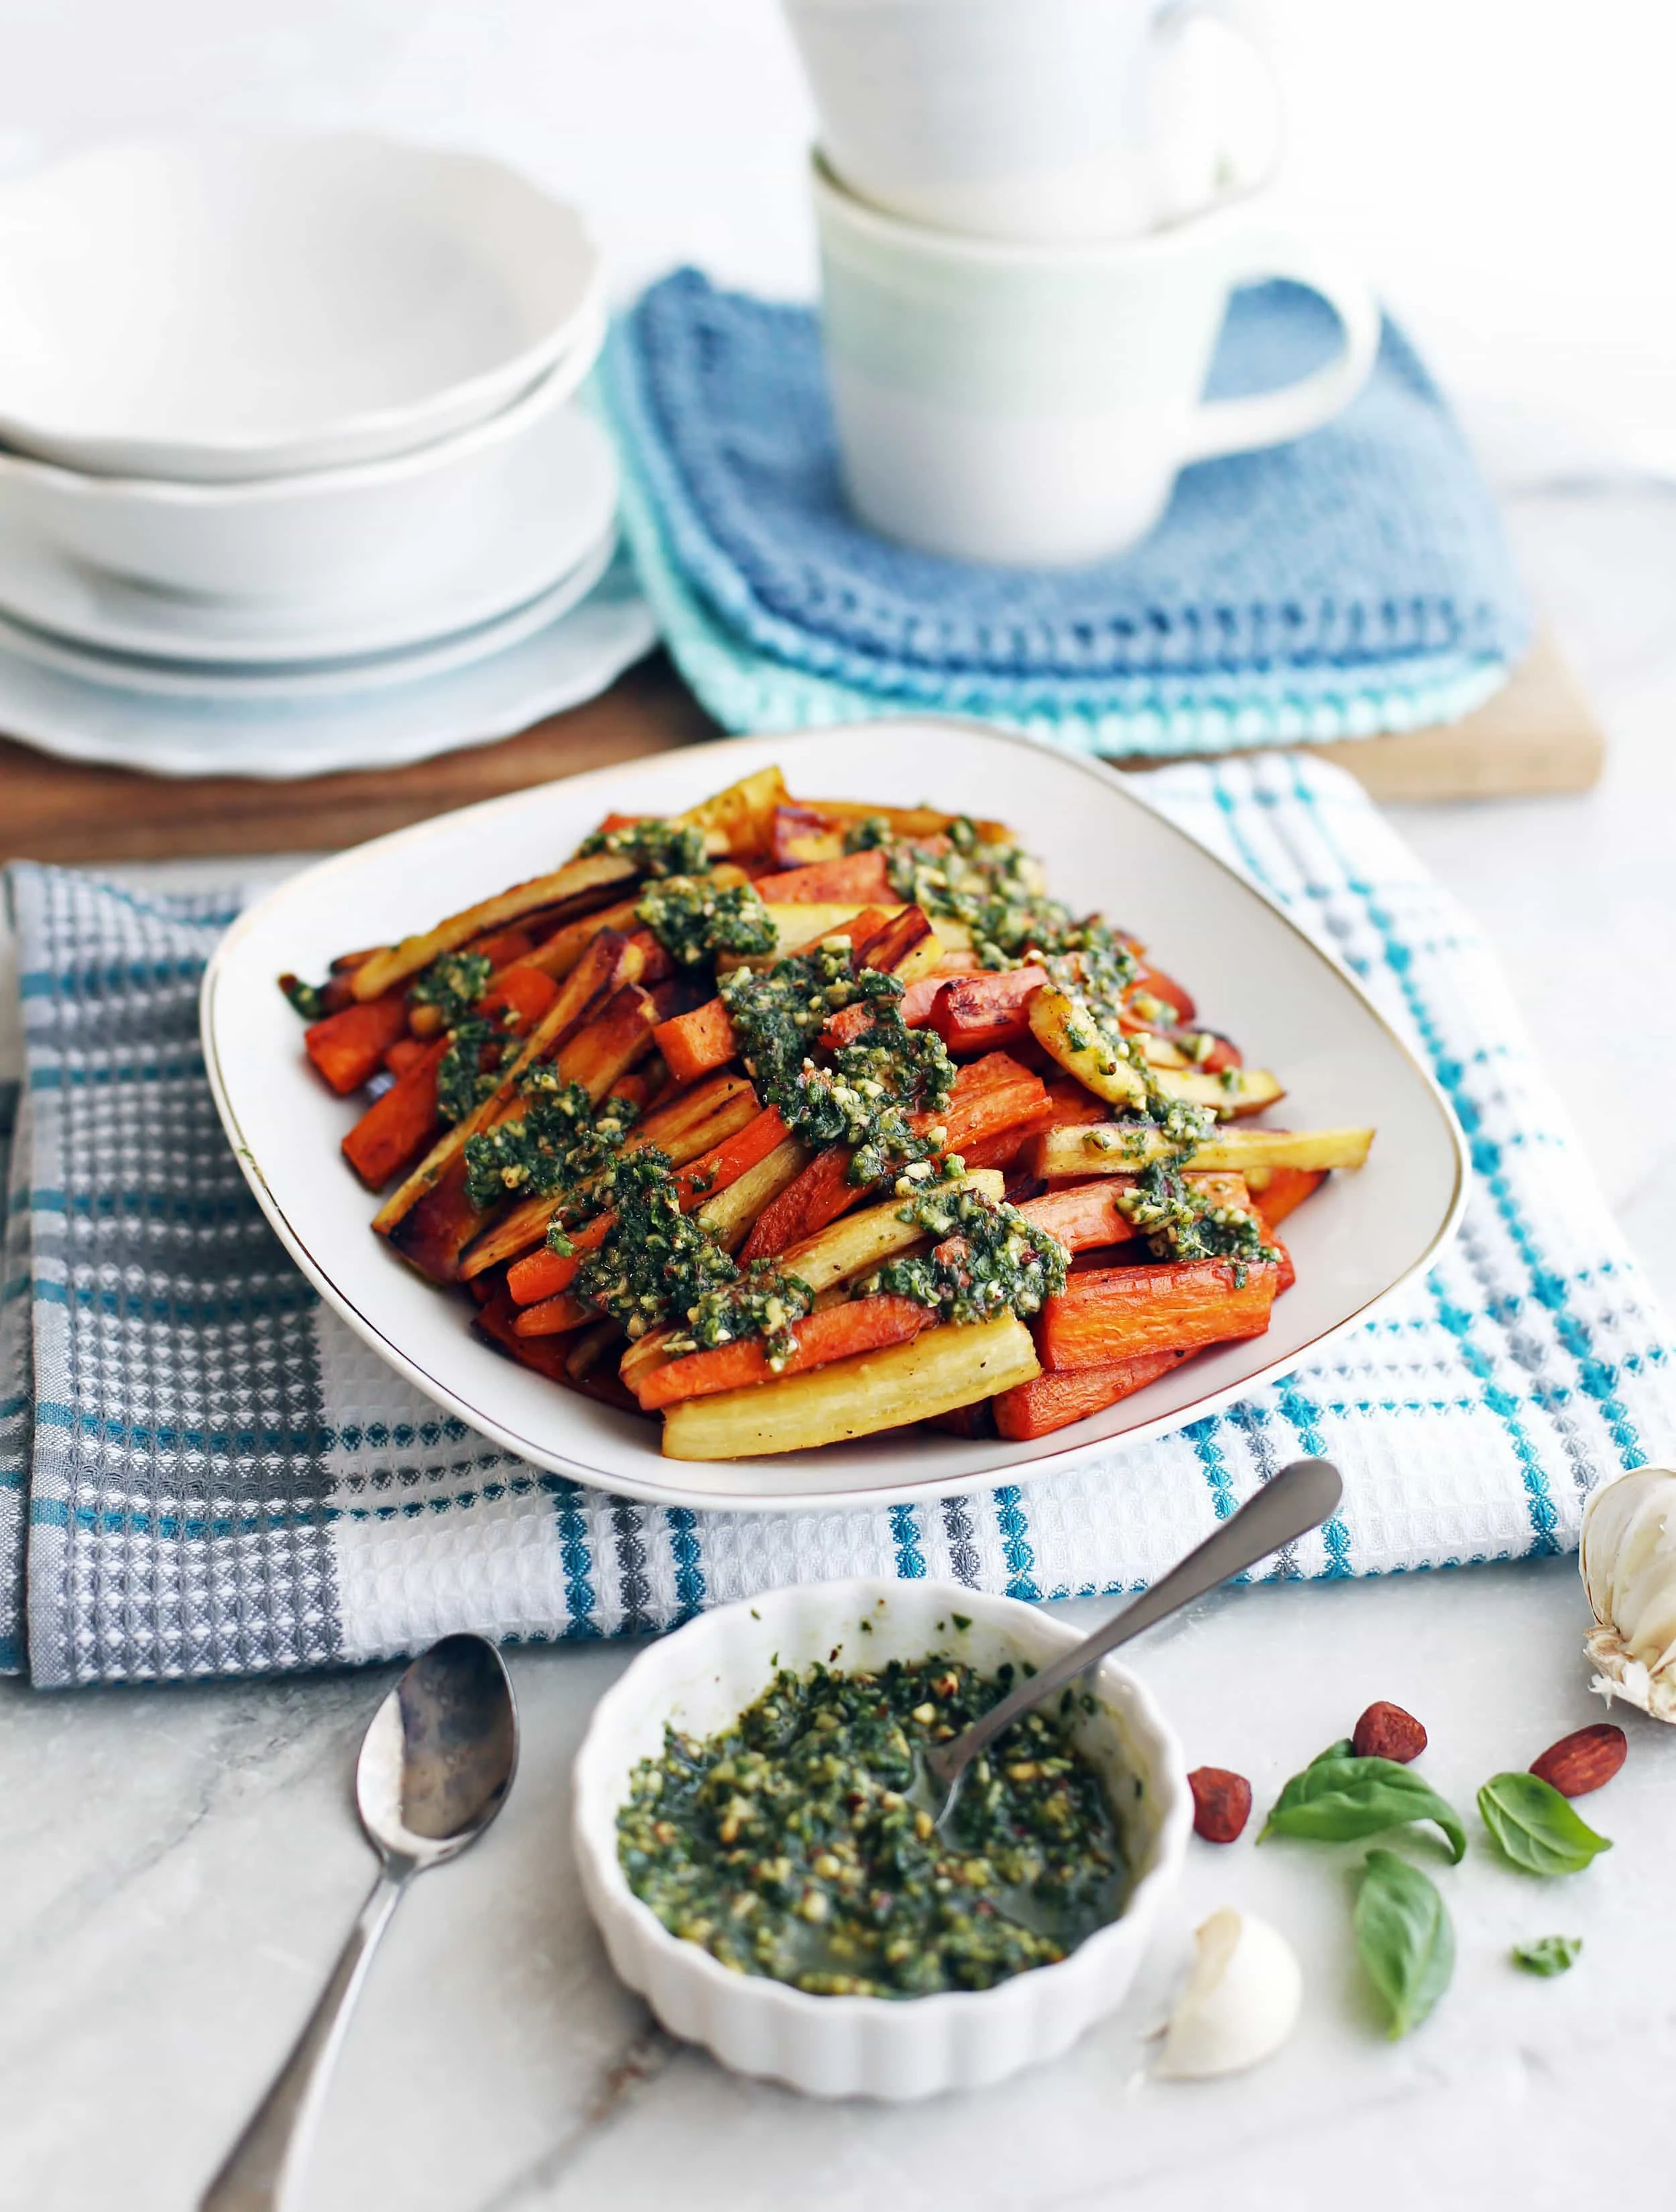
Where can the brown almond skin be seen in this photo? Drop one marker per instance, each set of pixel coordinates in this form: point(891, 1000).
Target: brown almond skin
point(1221, 1804)
point(1583, 1760)
point(1386, 1731)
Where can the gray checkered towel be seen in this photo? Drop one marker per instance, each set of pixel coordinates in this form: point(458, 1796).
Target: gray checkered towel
point(209, 1474)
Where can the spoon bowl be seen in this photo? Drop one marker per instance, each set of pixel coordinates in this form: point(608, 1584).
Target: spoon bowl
point(439, 1754)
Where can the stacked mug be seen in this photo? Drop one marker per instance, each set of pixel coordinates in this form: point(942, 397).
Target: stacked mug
point(1032, 216)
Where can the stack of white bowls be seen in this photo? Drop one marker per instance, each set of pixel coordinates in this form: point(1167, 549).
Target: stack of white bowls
point(291, 472)
point(1032, 215)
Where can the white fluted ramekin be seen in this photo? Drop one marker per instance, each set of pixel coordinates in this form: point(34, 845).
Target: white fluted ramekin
point(705, 1674)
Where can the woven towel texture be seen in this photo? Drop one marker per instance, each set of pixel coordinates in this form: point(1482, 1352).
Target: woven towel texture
point(219, 1479)
point(1365, 564)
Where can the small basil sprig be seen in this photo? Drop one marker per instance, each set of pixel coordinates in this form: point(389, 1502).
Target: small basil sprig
point(1404, 1935)
point(1535, 1827)
point(1343, 1749)
point(1336, 1799)
point(1548, 1955)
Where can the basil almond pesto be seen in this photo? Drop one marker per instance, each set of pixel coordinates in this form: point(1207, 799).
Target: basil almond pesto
point(794, 1844)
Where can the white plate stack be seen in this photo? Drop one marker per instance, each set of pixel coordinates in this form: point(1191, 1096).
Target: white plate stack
point(292, 473)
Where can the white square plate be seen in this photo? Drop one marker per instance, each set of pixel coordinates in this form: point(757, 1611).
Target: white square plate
point(1252, 971)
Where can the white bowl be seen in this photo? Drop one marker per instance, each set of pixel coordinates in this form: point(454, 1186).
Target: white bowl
point(702, 1677)
point(205, 310)
point(296, 540)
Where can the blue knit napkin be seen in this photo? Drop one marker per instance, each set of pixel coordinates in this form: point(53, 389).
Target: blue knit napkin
point(215, 1476)
point(1354, 580)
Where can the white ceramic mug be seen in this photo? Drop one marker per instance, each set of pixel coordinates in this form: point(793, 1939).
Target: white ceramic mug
point(1032, 405)
point(1040, 119)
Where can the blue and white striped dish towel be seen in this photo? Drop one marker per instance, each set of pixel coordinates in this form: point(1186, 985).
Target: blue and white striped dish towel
point(1354, 580)
point(211, 1475)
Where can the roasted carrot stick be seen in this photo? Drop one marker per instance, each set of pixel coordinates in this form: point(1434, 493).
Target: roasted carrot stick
point(1054, 1401)
point(860, 1325)
point(859, 876)
point(989, 1095)
point(1117, 1313)
point(404, 1052)
point(1153, 983)
point(349, 1047)
point(697, 1043)
point(976, 1012)
point(1285, 1189)
point(543, 1274)
point(395, 1129)
point(553, 1317)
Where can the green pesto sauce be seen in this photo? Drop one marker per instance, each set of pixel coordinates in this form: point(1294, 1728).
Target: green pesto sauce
point(452, 985)
point(987, 1259)
point(791, 1845)
point(1000, 894)
point(864, 1097)
point(655, 847)
point(1179, 1223)
point(470, 1069)
point(562, 1142)
point(659, 1265)
point(694, 922)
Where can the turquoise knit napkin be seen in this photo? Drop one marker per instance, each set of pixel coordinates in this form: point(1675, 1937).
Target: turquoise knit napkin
point(1354, 581)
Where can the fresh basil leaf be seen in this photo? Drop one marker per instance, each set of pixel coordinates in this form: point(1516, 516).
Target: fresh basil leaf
point(1337, 1800)
point(1548, 1955)
point(1404, 1935)
point(1535, 1827)
point(1343, 1749)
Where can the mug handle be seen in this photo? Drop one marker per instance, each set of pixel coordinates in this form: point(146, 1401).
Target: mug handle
point(1273, 418)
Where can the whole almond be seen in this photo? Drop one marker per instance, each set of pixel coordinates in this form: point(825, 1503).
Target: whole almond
point(1221, 1804)
point(1385, 1731)
point(1582, 1761)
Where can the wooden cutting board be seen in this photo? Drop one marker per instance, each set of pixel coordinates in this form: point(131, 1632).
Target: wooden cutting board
point(1537, 735)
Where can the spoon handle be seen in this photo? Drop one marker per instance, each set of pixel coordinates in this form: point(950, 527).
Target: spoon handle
point(262, 2164)
point(1290, 1504)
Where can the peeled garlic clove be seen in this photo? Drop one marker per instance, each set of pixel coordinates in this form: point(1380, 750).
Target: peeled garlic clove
point(1240, 2002)
point(1628, 1569)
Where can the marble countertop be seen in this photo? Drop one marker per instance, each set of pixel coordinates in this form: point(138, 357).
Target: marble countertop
point(178, 1866)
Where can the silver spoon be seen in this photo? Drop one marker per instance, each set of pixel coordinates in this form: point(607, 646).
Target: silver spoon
point(434, 1769)
point(1290, 1504)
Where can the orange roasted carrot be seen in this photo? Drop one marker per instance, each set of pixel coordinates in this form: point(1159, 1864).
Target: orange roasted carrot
point(404, 1052)
point(1083, 1215)
point(347, 1048)
point(859, 876)
point(989, 1095)
point(395, 1129)
point(916, 1002)
point(1286, 1190)
point(860, 1325)
point(525, 990)
point(1177, 1305)
point(1054, 1401)
point(697, 1043)
point(976, 1012)
point(543, 1274)
point(1153, 983)
point(553, 1317)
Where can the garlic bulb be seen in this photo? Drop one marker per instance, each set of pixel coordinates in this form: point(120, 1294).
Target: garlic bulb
point(1629, 1570)
point(1240, 2002)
